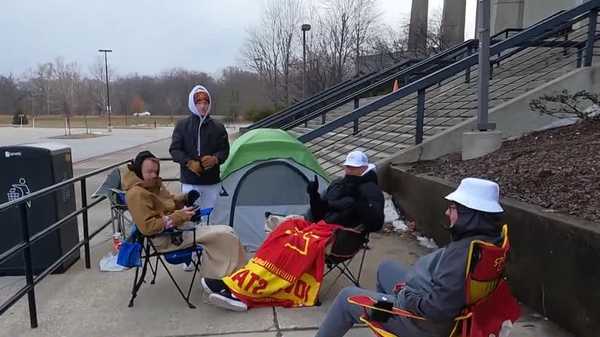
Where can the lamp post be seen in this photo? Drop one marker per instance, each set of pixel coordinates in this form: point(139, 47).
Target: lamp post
point(305, 28)
point(484, 66)
point(108, 108)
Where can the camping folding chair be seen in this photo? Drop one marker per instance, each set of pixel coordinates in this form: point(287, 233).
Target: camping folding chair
point(174, 257)
point(489, 300)
point(112, 189)
point(347, 244)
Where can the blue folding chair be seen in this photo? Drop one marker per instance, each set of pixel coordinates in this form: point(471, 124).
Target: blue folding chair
point(175, 257)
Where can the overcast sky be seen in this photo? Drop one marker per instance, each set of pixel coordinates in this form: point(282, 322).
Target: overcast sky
point(147, 36)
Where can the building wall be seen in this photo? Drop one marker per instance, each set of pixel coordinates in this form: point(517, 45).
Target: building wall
point(418, 26)
point(523, 13)
point(506, 14)
point(453, 21)
point(536, 10)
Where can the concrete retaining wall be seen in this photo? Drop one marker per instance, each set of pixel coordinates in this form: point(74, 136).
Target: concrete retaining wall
point(554, 265)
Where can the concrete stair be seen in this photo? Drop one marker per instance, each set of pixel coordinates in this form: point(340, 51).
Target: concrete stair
point(385, 131)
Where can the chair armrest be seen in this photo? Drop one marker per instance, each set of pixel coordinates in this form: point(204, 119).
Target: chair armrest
point(367, 302)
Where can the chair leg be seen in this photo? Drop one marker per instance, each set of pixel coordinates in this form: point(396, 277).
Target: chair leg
point(133, 290)
point(159, 259)
point(176, 284)
point(138, 282)
point(154, 271)
point(362, 262)
point(196, 270)
point(113, 215)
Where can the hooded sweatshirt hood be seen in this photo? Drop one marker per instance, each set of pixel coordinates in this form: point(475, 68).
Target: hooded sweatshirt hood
point(471, 223)
point(192, 105)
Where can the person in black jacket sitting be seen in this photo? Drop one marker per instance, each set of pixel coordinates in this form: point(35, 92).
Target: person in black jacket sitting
point(354, 201)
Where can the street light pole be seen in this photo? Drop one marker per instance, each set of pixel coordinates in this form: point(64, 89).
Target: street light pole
point(108, 107)
point(305, 28)
point(484, 66)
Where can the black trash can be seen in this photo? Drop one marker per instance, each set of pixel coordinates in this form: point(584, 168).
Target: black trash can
point(24, 170)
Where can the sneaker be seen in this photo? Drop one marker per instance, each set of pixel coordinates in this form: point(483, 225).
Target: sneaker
point(213, 285)
point(226, 300)
point(190, 266)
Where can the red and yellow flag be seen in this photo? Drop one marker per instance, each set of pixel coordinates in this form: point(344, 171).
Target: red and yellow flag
point(287, 269)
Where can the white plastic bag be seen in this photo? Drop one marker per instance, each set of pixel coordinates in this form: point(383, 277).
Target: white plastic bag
point(109, 263)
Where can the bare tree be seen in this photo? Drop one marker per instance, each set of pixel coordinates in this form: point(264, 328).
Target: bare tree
point(68, 87)
point(342, 30)
point(41, 79)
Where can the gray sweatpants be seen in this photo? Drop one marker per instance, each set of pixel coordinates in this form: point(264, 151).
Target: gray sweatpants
point(342, 315)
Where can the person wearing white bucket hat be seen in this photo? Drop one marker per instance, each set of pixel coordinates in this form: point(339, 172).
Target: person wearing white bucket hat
point(478, 194)
point(434, 287)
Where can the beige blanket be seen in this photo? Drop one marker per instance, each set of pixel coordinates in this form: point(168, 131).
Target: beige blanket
point(223, 253)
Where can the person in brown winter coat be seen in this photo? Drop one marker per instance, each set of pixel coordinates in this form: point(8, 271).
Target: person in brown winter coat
point(154, 209)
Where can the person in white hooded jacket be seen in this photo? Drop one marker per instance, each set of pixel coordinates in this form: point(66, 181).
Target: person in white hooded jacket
point(200, 144)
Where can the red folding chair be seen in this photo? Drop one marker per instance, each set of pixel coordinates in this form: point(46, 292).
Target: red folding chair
point(489, 300)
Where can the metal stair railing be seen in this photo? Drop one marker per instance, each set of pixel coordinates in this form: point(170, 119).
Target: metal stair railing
point(343, 89)
point(411, 99)
point(428, 65)
point(317, 101)
point(327, 94)
point(420, 69)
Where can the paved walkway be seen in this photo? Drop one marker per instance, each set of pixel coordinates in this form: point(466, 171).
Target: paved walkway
point(103, 142)
point(92, 303)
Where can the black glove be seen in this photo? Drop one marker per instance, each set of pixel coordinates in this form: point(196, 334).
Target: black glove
point(341, 204)
point(381, 316)
point(191, 198)
point(312, 188)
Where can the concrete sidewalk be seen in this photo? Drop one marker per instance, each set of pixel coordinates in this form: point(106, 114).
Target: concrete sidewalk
point(92, 303)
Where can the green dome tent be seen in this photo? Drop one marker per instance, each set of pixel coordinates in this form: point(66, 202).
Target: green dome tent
point(267, 171)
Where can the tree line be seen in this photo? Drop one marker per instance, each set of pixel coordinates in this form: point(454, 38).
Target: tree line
point(346, 39)
point(62, 88)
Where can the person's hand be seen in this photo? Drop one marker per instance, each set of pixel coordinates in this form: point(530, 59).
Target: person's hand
point(312, 188)
point(183, 215)
point(194, 166)
point(188, 211)
point(209, 161)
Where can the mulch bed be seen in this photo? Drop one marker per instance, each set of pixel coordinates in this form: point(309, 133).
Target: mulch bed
point(558, 169)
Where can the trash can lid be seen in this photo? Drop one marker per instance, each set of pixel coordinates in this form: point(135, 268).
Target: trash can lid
point(50, 146)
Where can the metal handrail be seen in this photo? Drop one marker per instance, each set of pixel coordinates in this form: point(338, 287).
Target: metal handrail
point(276, 119)
point(380, 145)
point(544, 28)
point(374, 133)
point(424, 67)
point(349, 86)
point(28, 240)
point(436, 62)
point(316, 97)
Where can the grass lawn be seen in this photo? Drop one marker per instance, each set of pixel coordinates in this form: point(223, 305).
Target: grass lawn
point(97, 122)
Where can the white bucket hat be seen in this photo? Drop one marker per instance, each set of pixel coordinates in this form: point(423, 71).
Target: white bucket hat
point(478, 194)
point(356, 159)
